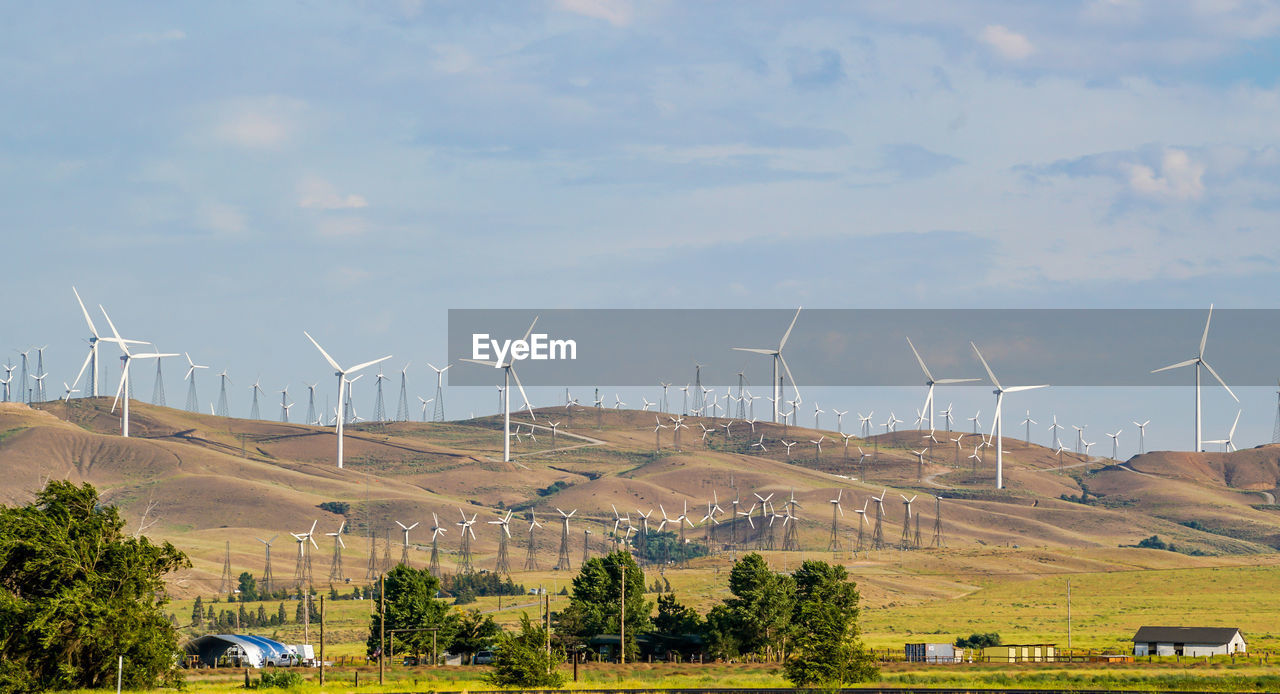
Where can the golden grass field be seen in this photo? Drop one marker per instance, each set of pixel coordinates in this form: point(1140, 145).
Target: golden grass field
point(205, 481)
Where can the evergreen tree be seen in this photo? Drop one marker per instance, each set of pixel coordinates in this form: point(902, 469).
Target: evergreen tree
point(197, 612)
point(280, 615)
point(248, 587)
point(826, 650)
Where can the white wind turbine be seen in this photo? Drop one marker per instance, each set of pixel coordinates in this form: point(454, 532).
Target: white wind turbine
point(1115, 444)
point(124, 373)
point(866, 423)
point(508, 373)
point(997, 424)
point(1227, 444)
point(776, 354)
point(930, 381)
point(1142, 436)
point(193, 401)
point(91, 360)
point(1199, 361)
point(342, 381)
point(839, 419)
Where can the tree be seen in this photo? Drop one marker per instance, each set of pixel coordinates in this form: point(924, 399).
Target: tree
point(826, 650)
point(76, 592)
point(594, 601)
point(755, 620)
point(475, 632)
point(411, 604)
point(248, 587)
point(979, 641)
point(197, 612)
point(281, 615)
point(676, 619)
point(521, 660)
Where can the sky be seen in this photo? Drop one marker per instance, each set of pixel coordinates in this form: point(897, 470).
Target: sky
point(224, 176)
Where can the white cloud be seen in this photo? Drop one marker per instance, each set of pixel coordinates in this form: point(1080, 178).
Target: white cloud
point(615, 12)
point(1006, 42)
point(1179, 177)
point(220, 218)
point(318, 194)
point(259, 123)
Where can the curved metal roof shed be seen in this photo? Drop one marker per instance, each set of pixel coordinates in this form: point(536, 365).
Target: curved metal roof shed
point(257, 649)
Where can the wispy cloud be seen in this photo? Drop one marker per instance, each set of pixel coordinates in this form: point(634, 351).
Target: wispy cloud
point(318, 194)
point(1006, 42)
point(259, 123)
point(616, 12)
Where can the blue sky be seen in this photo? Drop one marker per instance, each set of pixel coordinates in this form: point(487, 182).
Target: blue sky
point(223, 176)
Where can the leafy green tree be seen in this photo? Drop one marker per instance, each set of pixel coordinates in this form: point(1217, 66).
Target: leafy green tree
point(826, 650)
point(674, 618)
point(521, 660)
point(248, 587)
point(979, 640)
point(595, 597)
point(281, 615)
point(756, 619)
point(76, 592)
point(411, 604)
point(197, 612)
point(475, 632)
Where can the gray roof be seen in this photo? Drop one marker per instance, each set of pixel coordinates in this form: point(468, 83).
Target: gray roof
point(1202, 635)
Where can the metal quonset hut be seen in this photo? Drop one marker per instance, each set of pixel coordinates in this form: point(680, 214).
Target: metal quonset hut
point(255, 650)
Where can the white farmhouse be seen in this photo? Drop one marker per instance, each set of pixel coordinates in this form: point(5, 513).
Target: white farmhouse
point(1189, 641)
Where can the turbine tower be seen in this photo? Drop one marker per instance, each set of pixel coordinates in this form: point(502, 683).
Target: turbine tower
point(776, 355)
point(1199, 361)
point(930, 381)
point(790, 543)
point(223, 409)
point(226, 585)
point(311, 404)
point(342, 376)
point(508, 373)
point(562, 564)
point(438, 414)
point(267, 580)
point(402, 408)
point(530, 557)
point(193, 401)
point(833, 542)
point(436, 531)
point(464, 561)
point(862, 524)
point(285, 405)
point(504, 535)
point(379, 408)
point(938, 542)
point(254, 411)
point(157, 390)
point(997, 423)
point(905, 541)
point(336, 574)
point(404, 553)
point(877, 533)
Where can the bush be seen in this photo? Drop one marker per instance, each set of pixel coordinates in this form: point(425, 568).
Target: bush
point(278, 679)
point(522, 661)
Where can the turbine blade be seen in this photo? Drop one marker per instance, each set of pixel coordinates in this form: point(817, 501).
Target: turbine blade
point(88, 358)
point(787, 334)
point(530, 330)
point(1179, 365)
point(1224, 383)
point(527, 405)
point(789, 376)
point(1015, 389)
point(323, 353)
point(85, 311)
point(1205, 337)
point(756, 351)
point(992, 376)
point(923, 368)
point(366, 365)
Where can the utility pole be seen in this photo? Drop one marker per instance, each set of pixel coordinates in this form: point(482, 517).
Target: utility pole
point(1068, 616)
point(382, 625)
point(321, 639)
point(622, 619)
point(547, 598)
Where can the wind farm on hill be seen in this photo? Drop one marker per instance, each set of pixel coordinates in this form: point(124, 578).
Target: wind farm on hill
point(688, 482)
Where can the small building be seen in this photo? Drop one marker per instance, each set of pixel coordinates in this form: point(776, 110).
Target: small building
point(1189, 641)
point(932, 653)
point(1020, 653)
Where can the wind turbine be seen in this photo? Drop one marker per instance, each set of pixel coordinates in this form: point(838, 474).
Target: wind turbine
point(91, 360)
point(866, 423)
point(342, 379)
point(1028, 422)
point(1142, 436)
point(997, 424)
point(1115, 444)
point(193, 402)
point(124, 373)
point(438, 415)
point(930, 381)
point(404, 554)
point(1054, 429)
point(776, 354)
point(1199, 361)
point(335, 564)
point(1227, 444)
point(424, 406)
point(508, 373)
